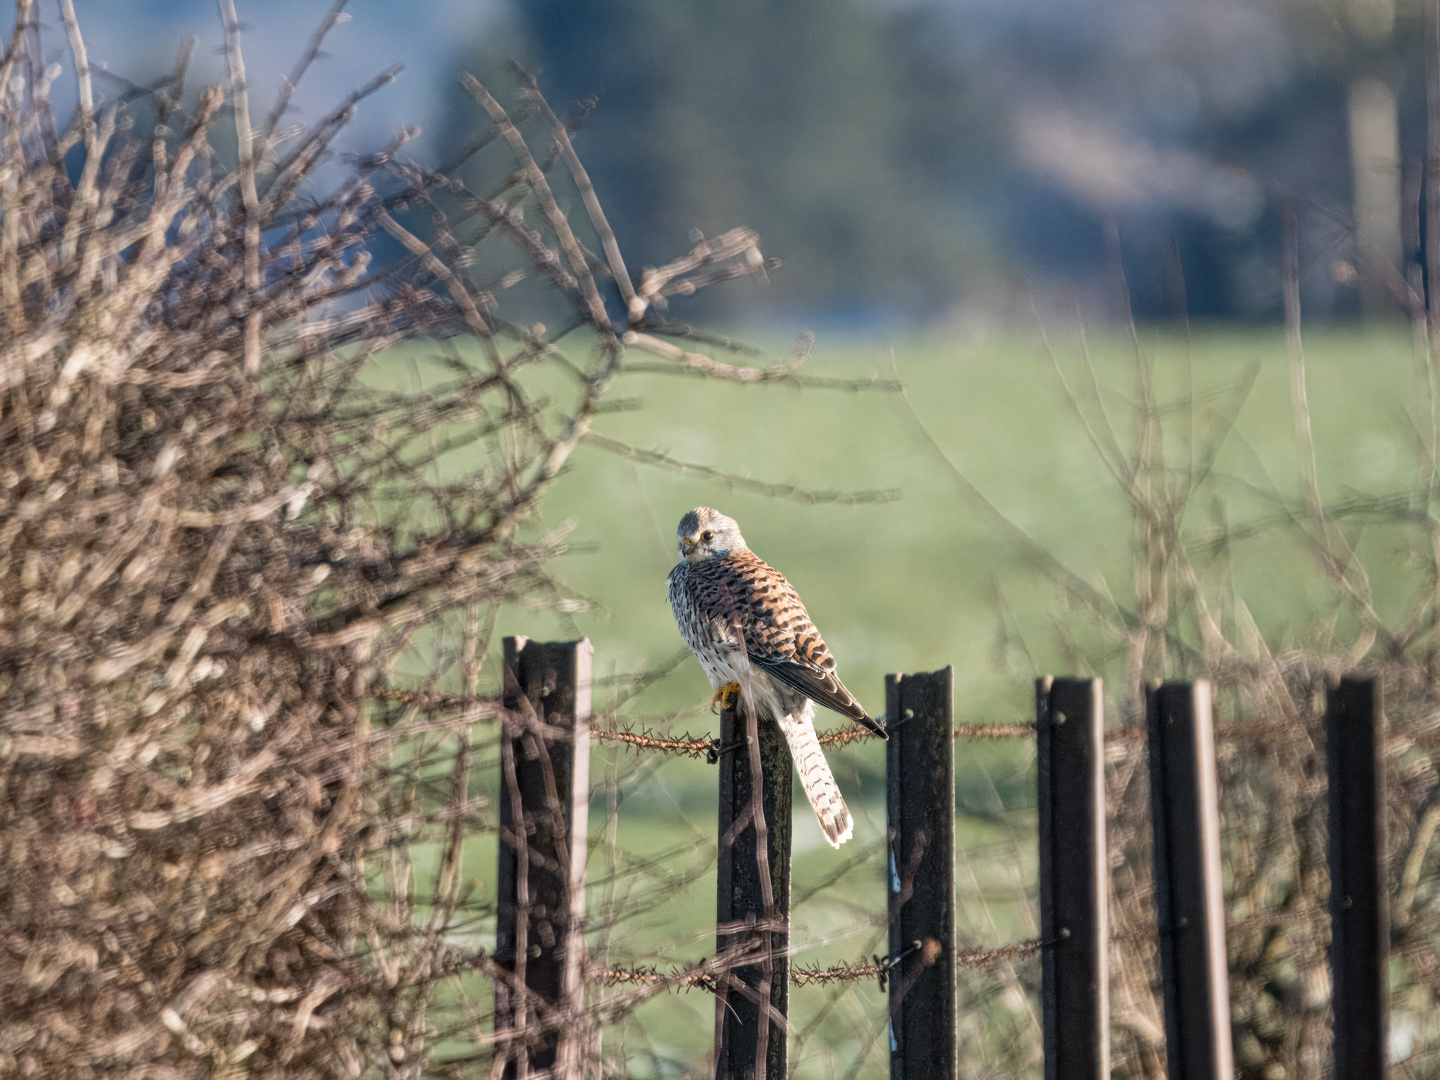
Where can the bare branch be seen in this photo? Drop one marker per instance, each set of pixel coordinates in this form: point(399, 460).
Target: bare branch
point(782, 491)
point(83, 86)
point(297, 73)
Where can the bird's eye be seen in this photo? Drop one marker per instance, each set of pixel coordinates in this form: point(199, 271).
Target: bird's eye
point(706, 536)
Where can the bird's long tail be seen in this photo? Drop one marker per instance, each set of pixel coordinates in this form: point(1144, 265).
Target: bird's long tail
point(815, 776)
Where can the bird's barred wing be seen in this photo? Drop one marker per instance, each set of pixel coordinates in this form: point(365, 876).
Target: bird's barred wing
point(744, 595)
point(823, 687)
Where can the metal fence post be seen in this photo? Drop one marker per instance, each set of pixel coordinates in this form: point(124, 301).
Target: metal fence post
point(1359, 935)
point(920, 801)
point(544, 804)
point(1074, 872)
point(1190, 904)
point(740, 1041)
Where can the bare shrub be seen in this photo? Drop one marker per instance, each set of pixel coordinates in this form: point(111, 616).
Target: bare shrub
point(222, 523)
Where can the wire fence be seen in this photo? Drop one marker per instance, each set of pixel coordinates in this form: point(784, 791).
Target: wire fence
point(878, 968)
point(687, 745)
point(1259, 919)
point(1276, 923)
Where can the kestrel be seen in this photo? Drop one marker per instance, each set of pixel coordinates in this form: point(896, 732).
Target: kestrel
point(736, 611)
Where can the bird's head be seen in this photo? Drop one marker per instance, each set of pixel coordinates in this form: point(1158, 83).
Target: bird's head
point(708, 534)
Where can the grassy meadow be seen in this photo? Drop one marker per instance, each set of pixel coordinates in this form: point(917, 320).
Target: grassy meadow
point(924, 580)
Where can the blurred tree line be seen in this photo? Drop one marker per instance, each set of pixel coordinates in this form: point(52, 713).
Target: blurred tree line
point(904, 158)
point(833, 127)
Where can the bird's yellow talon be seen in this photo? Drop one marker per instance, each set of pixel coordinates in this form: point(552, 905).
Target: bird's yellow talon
point(725, 697)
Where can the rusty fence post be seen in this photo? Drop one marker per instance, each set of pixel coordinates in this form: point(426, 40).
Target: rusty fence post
point(544, 804)
point(1074, 872)
point(1189, 901)
point(743, 1037)
point(920, 805)
point(1359, 934)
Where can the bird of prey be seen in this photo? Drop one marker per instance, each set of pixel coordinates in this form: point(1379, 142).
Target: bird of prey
point(743, 620)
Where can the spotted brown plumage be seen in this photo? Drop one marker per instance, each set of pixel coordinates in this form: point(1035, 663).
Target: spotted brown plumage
point(744, 621)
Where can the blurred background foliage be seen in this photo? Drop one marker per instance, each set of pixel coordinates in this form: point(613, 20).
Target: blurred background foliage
point(915, 159)
point(835, 130)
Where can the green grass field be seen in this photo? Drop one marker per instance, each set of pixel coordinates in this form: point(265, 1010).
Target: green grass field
point(921, 582)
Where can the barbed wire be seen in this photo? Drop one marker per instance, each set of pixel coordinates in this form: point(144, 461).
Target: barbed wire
point(986, 957)
point(480, 707)
point(701, 975)
point(687, 745)
point(991, 731)
point(683, 745)
point(848, 971)
point(686, 978)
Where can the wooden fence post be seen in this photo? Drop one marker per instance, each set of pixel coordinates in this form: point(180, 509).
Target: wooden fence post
point(1074, 875)
point(743, 1047)
point(1359, 934)
point(544, 804)
point(920, 802)
point(1190, 904)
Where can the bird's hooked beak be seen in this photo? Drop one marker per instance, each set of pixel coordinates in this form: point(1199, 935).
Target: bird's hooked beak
point(688, 541)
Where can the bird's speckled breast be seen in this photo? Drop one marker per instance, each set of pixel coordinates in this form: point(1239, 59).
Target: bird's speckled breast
point(741, 589)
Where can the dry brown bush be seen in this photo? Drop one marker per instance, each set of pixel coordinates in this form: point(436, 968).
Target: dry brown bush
point(216, 536)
